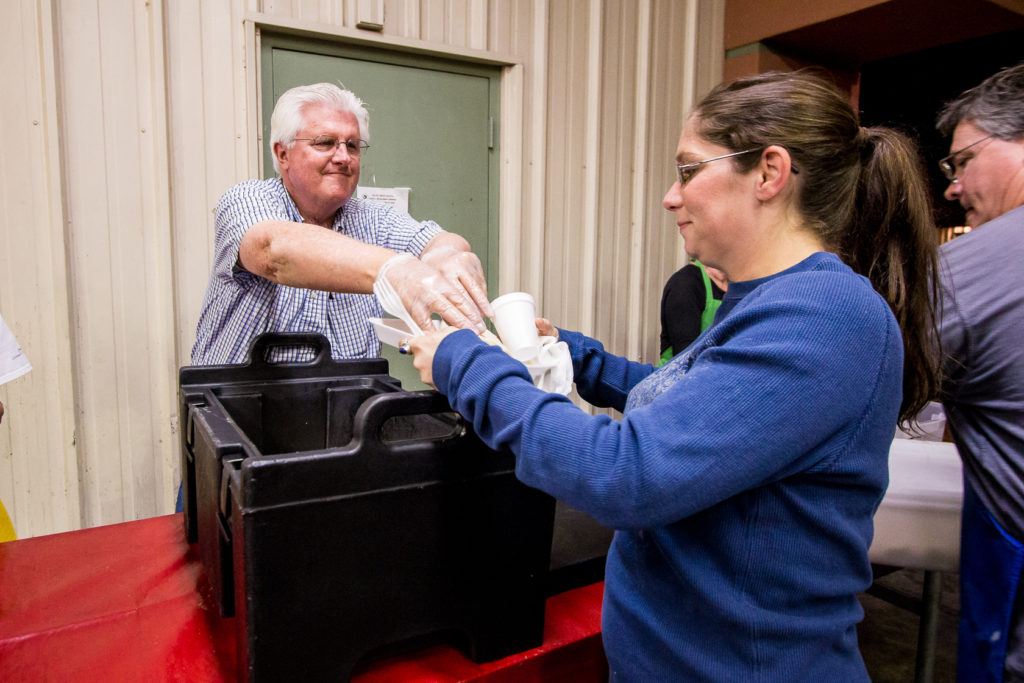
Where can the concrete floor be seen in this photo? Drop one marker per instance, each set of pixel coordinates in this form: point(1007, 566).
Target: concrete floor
point(888, 633)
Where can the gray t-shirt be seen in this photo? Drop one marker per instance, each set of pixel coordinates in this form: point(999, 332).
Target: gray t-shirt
point(982, 333)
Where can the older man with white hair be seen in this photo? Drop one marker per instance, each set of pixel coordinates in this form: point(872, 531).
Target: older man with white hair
point(300, 252)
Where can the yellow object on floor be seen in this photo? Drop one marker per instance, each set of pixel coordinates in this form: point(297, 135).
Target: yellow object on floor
point(6, 528)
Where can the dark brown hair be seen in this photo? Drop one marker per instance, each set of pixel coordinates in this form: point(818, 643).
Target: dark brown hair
point(862, 190)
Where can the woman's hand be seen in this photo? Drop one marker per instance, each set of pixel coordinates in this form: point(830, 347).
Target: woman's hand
point(422, 348)
point(545, 328)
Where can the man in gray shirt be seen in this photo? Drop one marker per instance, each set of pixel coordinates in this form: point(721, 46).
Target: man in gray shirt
point(982, 333)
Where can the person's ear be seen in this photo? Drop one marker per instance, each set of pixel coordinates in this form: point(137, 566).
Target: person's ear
point(773, 172)
point(281, 153)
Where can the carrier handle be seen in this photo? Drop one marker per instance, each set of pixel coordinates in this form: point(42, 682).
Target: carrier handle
point(269, 340)
point(376, 410)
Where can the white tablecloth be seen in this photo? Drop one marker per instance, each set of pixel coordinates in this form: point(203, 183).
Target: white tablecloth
point(918, 523)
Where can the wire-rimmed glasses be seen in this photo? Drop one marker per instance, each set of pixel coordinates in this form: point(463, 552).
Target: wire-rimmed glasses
point(327, 144)
point(949, 164)
point(685, 172)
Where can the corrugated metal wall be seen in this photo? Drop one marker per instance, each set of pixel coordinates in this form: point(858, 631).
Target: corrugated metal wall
point(124, 120)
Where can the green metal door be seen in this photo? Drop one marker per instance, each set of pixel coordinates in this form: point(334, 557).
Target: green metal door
point(432, 129)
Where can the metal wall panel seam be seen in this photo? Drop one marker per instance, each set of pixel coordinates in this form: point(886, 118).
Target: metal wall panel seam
point(533, 233)
point(433, 22)
point(188, 128)
point(161, 325)
point(247, 98)
point(408, 18)
point(689, 44)
point(478, 14)
point(711, 15)
point(122, 72)
point(90, 161)
point(588, 245)
point(66, 417)
point(510, 181)
point(638, 225)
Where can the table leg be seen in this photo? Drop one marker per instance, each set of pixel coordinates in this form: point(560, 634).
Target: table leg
point(928, 629)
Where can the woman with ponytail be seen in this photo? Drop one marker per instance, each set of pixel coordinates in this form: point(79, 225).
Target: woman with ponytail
point(744, 474)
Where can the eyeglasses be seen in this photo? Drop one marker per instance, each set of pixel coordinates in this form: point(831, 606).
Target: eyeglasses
point(685, 172)
point(327, 144)
point(950, 164)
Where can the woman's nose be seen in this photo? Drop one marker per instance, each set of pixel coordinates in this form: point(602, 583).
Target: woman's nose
point(673, 198)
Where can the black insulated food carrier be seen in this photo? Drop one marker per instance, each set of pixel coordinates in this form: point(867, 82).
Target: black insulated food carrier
point(340, 518)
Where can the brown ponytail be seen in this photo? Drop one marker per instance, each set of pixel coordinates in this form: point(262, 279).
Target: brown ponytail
point(861, 190)
point(892, 241)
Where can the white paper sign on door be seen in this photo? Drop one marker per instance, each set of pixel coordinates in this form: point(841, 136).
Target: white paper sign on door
point(398, 197)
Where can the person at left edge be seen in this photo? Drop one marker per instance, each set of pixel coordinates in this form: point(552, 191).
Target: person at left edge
point(300, 253)
point(13, 364)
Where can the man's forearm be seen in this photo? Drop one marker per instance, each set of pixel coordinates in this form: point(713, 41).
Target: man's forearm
point(311, 257)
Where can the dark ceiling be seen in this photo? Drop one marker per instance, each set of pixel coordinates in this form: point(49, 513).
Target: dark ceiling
point(894, 28)
point(908, 90)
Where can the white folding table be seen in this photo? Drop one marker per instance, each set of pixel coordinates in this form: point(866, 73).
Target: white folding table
point(917, 526)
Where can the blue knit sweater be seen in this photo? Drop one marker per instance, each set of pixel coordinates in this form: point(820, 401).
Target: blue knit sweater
point(742, 479)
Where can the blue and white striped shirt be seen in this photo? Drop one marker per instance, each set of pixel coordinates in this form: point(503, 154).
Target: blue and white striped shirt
point(239, 305)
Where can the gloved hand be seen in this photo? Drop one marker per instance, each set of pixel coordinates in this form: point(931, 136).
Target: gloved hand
point(422, 290)
point(464, 270)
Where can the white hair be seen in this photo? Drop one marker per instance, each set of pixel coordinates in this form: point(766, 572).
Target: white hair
point(288, 118)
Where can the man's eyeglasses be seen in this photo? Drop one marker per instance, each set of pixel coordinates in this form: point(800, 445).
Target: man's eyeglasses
point(685, 172)
point(327, 144)
point(950, 165)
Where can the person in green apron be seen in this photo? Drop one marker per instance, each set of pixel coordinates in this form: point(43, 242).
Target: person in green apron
point(688, 305)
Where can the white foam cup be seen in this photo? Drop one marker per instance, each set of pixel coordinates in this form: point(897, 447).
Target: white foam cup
point(515, 320)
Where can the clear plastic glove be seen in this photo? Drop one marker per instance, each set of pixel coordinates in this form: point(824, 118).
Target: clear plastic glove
point(423, 290)
point(464, 270)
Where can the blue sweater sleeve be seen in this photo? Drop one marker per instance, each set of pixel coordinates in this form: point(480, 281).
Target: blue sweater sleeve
point(762, 397)
point(601, 378)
